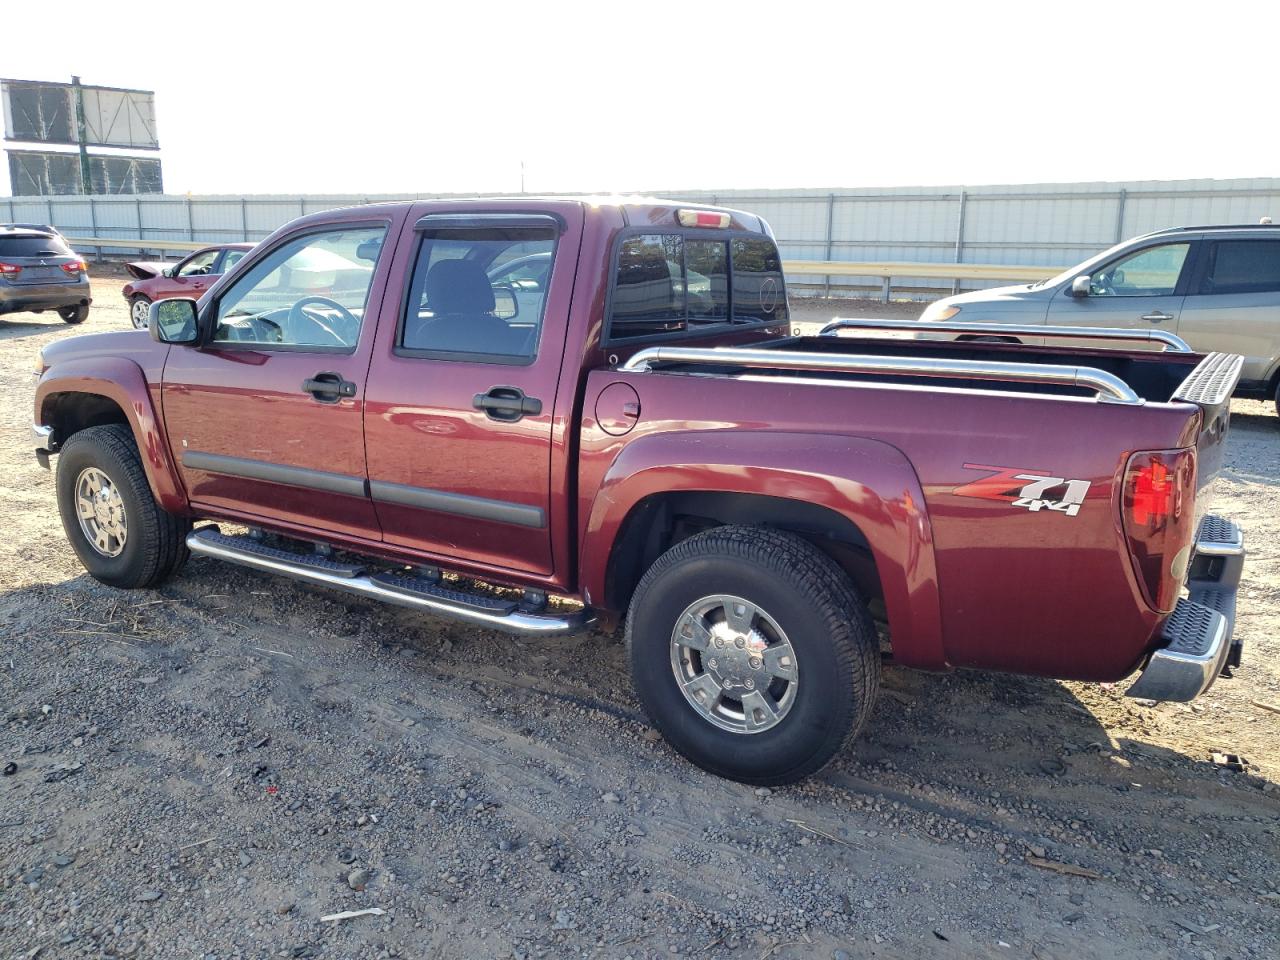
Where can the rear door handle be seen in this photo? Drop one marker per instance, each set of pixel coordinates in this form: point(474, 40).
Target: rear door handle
point(329, 387)
point(507, 404)
point(1157, 316)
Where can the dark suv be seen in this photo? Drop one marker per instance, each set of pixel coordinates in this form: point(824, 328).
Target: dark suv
point(39, 272)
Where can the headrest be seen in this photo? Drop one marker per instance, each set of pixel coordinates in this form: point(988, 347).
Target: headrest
point(458, 286)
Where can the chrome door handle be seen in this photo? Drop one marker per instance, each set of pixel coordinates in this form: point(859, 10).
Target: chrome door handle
point(1157, 316)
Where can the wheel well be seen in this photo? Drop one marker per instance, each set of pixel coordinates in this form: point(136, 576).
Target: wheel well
point(69, 413)
point(659, 522)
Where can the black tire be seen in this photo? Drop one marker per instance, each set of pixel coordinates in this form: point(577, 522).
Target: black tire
point(143, 303)
point(155, 544)
point(1277, 398)
point(77, 314)
point(836, 650)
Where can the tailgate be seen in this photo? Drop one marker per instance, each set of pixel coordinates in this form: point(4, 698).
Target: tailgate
point(43, 274)
point(1209, 386)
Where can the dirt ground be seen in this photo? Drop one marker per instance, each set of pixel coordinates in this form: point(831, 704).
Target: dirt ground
point(208, 770)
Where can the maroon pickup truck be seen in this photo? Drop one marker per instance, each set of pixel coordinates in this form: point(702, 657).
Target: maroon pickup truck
point(533, 415)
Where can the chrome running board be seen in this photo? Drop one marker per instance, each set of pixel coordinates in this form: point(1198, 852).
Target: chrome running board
point(418, 593)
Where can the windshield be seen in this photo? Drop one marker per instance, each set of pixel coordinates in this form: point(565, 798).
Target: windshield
point(1080, 268)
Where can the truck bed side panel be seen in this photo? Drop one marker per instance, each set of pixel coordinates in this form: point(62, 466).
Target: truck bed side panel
point(1039, 591)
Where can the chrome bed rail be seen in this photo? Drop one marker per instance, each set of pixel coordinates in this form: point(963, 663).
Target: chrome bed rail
point(1107, 387)
point(1171, 341)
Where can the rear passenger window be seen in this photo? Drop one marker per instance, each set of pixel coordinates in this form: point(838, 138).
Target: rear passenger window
point(1243, 266)
point(478, 293)
point(669, 283)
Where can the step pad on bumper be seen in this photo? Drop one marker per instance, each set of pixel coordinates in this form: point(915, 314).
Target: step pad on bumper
point(1196, 647)
point(1218, 560)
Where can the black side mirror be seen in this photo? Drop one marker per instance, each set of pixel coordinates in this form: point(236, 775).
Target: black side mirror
point(175, 321)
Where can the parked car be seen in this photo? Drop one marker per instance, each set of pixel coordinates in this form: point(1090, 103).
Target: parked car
point(758, 509)
point(157, 280)
point(39, 272)
point(1217, 287)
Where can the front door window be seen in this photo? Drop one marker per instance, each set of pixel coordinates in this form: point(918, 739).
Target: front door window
point(1152, 272)
point(311, 292)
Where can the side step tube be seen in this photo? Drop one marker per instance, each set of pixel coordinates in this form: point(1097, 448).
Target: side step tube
point(416, 593)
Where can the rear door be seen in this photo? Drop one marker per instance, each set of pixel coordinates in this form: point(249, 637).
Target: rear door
point(1140, 289)
point(267, 420)
point(462, 387)
point(1234, 303)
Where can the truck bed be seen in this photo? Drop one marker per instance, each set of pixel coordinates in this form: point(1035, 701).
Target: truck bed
point(1008, 580)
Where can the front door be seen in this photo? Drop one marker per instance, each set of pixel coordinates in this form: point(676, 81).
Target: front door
point(266, 420)
point(192, 277)
point(459, 416)
point(1139, 290)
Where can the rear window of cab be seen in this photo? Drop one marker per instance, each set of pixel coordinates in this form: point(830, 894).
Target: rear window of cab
point(672, 283)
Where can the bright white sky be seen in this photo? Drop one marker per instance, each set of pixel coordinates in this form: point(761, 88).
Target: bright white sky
point(377, 97)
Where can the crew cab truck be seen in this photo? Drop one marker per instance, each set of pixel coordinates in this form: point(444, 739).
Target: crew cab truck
point(620, 428)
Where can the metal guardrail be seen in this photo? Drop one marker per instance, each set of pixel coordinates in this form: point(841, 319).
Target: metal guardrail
point(884, 269)
point(130, 243)
point(887, 270)
point(905, 268)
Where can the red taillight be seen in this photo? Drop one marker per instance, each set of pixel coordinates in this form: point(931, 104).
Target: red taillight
point(1153, 494)
point(1159, 520)
point(9, 268)
point(75, 266)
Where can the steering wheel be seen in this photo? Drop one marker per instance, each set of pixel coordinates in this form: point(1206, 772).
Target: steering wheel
point(299, 312)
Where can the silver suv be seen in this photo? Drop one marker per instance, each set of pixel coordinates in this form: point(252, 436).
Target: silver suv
point(1216, 287)
point(38, 271)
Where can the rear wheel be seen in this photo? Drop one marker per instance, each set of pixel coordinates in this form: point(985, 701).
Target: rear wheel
point(114, 524)
point(77, 314)
point(752, 653)
point(140, 312)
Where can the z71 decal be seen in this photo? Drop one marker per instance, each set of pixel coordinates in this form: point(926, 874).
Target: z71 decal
point(1029, 489)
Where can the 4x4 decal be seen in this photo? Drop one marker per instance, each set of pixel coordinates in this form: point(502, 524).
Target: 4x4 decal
point(1025, 488)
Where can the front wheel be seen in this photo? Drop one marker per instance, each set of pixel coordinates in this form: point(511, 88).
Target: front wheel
point(77, 314)
point(114, 524)
point(140, 312)
point(752, 653)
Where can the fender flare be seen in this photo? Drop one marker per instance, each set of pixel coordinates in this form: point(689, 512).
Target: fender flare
point(121, 381)
point(885, 502)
